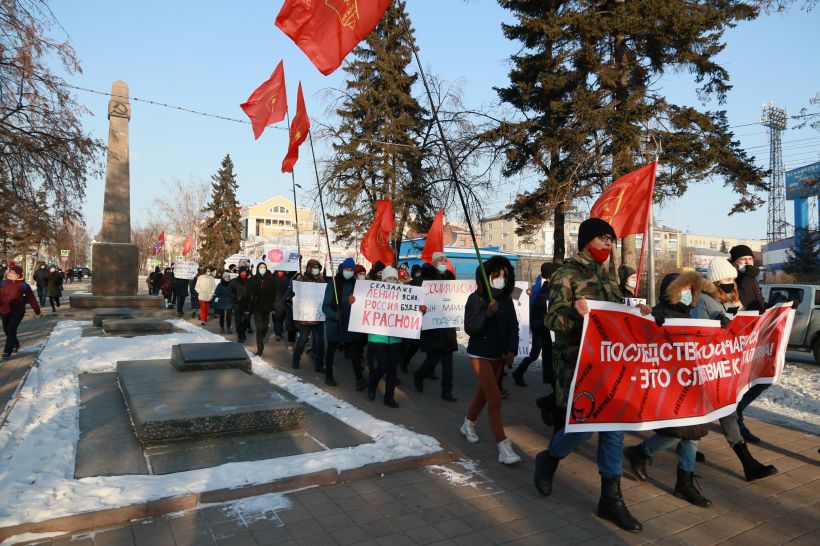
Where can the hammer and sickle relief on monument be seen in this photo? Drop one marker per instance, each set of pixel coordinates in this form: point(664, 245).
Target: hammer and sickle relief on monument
point(347, 10)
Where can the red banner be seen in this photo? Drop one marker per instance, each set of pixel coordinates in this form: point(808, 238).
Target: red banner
point(634, 375)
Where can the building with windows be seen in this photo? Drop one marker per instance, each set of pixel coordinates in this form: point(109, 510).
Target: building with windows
point(274, 219)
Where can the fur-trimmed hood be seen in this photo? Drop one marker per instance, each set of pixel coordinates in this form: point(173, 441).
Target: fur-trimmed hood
point(670, 291)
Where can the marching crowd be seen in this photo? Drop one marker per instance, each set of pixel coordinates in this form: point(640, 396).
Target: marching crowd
point(246, 299)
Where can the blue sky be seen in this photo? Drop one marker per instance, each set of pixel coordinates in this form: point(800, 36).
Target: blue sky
point(210, 55)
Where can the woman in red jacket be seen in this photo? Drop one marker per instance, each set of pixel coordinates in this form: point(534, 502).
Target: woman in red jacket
point(14, 293)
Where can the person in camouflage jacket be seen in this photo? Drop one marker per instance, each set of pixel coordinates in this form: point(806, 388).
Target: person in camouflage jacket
point(585, 276)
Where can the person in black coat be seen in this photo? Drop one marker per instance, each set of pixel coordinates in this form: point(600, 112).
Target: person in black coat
point(280, 290)
point(261, 290)
point(240, 294)
point(541, 339)
point(180, 293)
point(493, 329)
point(439, 344)
point(679, 294)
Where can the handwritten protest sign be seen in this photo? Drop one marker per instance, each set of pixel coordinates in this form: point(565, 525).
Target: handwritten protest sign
point(634, 375)
point(521, 301)
point(445, 302)
point(389, 309)
point(185, 270)
point(307, 301)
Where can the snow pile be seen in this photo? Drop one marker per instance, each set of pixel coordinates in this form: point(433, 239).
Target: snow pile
point(794, 401)
point(38, 443)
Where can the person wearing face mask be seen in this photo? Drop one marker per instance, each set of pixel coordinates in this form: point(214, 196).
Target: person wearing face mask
point(262, 292)
point(679, 293)
point(239, 289)
point(629, 280)
point(386, 354)
point(223, 302)
point(336, 307)
point(439, 344)
point(585, 276)
point(751, 297)
point(166, 287)
point(205, 287)
point(491, 323)
point(375, 273)
point(14, 294)
point(181, 287)
point(313, 330)
point(40, 278)
point(721, 302)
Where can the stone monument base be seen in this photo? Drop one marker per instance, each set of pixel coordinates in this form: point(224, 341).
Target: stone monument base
point(88, 301)
point(115, 268)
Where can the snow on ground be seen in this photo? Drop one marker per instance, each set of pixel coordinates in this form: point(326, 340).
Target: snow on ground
point(38, 442)
point(794, 401)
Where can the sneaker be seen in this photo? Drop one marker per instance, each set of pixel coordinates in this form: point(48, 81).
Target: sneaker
point(468, 430)
point(506, 455)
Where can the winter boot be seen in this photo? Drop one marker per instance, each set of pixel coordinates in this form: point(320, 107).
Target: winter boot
point(506, 455)
point(296, 359)
point(329, 381)
point(361, 384)
point(546, 404)
point(468, 430)
point(518, 377)
point(637, 460)
point(545, 467)
point(686, 489)
point(611, 505)
point(752, 469)
point(260, 347)
point(748, 436)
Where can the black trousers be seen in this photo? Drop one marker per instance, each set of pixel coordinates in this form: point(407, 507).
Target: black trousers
point(261, 321)
point(10, 325)
point(354, 350)
point(54, 301)
point(181, 302)
point(429, 365)
point(387, 357)
point(225, 315)
point(409, 348)
point(317, 349)
point(243, 321)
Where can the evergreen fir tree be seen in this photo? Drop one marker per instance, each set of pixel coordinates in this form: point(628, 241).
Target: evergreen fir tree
point(221, 230)
point(723, 246)
point(803, 260)
point(588, 69)
point(378, 156)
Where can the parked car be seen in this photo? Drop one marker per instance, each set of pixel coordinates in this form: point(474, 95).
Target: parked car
point(805, 334)
point(80, 272)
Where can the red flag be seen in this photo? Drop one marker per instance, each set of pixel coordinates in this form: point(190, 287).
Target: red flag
point(625, 204)
point(435, 238)
point(269, 103)
point(158, 244)
point(298, 132)
point(327, 30)
point(188, 245)
point(376, 242)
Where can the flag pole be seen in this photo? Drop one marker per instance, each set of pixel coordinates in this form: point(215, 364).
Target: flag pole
point(648, 241)
point(295, 207)
point(450, 160)
point(324, 218)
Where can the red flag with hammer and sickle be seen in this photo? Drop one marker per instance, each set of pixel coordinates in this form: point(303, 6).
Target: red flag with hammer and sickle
point(269, 103)
point(299, 130)
point(625, 204)
point(327, 30)
point(376, 242)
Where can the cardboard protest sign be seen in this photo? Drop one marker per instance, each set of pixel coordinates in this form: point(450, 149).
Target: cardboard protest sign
point(445, 301)
point(185, 270)
point(307, 301)
point(634, 375)
point(521, 301)
point(389, 309)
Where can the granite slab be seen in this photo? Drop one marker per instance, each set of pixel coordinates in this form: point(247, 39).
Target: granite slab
point(210, 356)
point(136, 326)
point(107, 313)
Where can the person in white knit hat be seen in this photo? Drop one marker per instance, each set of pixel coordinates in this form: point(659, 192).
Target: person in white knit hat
point(720, 300)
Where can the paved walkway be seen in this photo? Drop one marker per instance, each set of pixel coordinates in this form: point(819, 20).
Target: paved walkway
point(480, 501)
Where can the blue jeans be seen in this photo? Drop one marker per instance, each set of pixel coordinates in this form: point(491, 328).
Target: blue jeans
point(41, 295)
point(686, 449)
point(610, 449)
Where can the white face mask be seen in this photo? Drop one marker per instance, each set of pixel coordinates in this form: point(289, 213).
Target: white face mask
point(347, 274)
point(262, 270)
point(361, 277)
point(631, 283)
point(315, 271)
point(441, 267)
point(498, 283)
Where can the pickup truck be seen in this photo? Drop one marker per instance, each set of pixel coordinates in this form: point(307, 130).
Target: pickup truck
point(805, 334)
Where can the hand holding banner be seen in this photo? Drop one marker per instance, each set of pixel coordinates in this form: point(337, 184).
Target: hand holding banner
point(387, 308)
point(634, 375)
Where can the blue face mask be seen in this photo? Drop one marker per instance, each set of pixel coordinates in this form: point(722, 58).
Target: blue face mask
point(347, 274)
point(686, 297)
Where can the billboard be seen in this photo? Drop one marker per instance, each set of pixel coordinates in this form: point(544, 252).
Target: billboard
point(798, 180)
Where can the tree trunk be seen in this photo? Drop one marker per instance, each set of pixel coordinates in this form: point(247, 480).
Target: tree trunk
point(558, 238)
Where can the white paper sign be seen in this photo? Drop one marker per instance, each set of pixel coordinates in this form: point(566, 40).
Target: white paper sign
point(389, 309)
point(185, 270)
point(281, 259)
point(521, 301)
point(237, 260)
point(445, 301)
point(307, 301)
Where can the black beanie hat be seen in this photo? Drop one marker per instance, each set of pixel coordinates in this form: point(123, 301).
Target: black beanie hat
point(739, 251)
point(591, 228)
point(547, 269)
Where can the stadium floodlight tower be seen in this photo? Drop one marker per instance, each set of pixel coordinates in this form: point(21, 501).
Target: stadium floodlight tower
point(775, 118)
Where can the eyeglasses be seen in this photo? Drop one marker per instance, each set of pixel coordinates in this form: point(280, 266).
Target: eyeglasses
point(607, 238)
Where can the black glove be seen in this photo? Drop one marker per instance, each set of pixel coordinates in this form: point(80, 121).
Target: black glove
point(660, 318)
point(724, 321)
point(762, 311)
point(733, 310)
